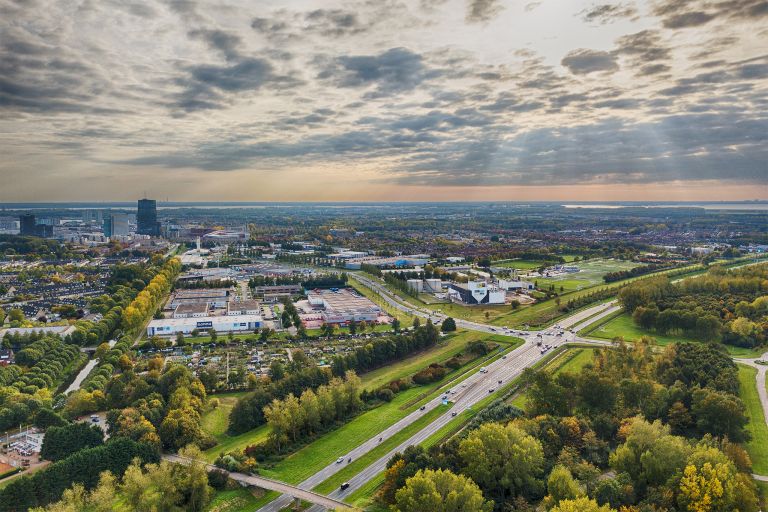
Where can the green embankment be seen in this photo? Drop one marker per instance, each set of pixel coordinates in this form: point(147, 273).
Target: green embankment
point(758, 445)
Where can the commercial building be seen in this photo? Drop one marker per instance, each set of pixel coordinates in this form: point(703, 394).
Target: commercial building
point(416, 285)
point(146, 218)
point(191, 310)
point(224, 323)
point(27, 225)
point(274, 293)
point(476, 292)
point(244, 307)
point(515, 285)
point(341, 306)
point(116, 224)
point(213, 297)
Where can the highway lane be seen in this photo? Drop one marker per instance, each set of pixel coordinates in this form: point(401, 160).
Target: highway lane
point(463, 395)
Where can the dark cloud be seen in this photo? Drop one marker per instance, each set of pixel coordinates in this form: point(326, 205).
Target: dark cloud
point(38, 76)
point(687, 19)
point(694, 13)
point(204, 86)
point(330, 23)
point(608, 13)
point(584, 61)
point(226, 43)
point(645, 51)
point(481, 11)
point(393, 71)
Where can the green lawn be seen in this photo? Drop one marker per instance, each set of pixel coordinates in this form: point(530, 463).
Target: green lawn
point(758, 446)
point(215, 421)
point(229, 443)
point(623, 325)
point(236, 500)
point(372, 456)
point(518, 264)
point(444, 350)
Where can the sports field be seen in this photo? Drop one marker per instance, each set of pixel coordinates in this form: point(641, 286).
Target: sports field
point(590, 273)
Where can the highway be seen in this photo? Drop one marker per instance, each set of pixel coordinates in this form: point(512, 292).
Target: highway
point(462, 396)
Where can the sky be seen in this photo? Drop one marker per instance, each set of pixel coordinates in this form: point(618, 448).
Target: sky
point(383, 100)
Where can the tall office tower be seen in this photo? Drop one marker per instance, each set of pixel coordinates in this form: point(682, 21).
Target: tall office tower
point(146, 218)
point(116, 224)
point(27, 225)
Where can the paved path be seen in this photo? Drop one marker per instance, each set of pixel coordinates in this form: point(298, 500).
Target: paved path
point(84, 373)
point(273, 485)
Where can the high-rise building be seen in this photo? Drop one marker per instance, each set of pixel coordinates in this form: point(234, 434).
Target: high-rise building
point(146, 218)
point(116, 224)
point(27, 225)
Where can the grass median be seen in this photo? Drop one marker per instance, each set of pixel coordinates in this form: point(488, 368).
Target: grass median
point(757, 447)
point(372, 456)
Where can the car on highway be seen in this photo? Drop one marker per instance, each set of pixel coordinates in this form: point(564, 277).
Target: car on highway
point(454, 413)
point(344, 486)
point(500, 381)
point(339, 460)
point(422, 408)
point(504, 356)
point(492, 390)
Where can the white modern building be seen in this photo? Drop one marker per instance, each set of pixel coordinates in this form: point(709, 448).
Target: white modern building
point(224, 323)
point(476, 292)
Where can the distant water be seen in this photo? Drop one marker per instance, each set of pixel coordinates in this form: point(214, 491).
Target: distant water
point(754, 206)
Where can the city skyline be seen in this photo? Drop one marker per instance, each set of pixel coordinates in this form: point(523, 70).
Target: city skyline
point(384, 101)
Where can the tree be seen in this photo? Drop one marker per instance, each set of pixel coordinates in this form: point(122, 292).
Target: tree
point(449, 325)
point(416, 322)
point(212, 333)
point(720, 414)
point(276, 370)
point(503, 460)
point(440, 491)
point(180, 342)
point(59, 442)
point(396, 325)
point(581, 505)
point(561, 486)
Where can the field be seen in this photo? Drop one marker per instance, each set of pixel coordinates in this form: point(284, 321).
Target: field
point(519, 264)
point(450, 346)
point(622, 325)
point(591, 274)
point(758, 446)
point(237, 500)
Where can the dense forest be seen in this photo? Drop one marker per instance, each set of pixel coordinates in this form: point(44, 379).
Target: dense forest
point(635, 430)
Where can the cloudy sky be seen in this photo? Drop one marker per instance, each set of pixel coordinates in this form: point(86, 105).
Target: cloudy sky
point(383, 100)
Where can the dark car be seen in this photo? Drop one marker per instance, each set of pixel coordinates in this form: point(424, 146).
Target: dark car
point(344, 486)
point(422, 408)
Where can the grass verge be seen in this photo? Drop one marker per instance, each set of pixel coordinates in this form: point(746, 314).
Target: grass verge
point(757, 447)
